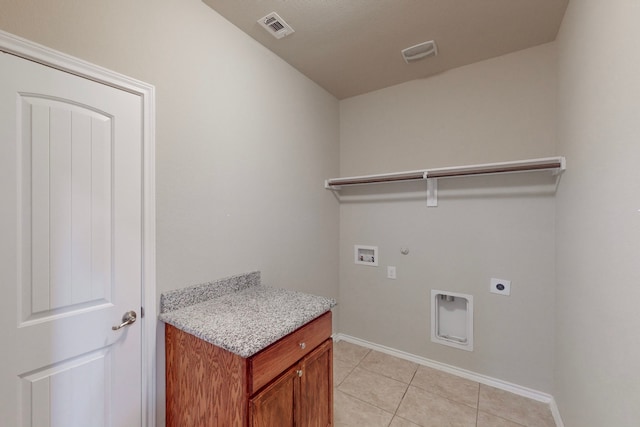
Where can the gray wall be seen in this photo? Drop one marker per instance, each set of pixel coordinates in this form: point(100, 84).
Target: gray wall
point(598, 224)
point(241, 154)
point(502, 226)
point(217, 118)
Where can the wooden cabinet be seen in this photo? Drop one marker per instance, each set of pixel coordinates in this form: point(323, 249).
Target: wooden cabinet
point(290, 383)
point(316, 395)
point(302, 396)
point(276, 404)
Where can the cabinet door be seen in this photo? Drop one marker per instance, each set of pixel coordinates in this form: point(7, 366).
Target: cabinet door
point(316, 387)
point(275, 406)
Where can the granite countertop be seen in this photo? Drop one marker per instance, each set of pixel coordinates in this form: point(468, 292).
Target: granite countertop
point(239, 314)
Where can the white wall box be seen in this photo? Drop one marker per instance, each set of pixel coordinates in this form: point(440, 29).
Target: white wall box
point(452, 319)
point(366, 255)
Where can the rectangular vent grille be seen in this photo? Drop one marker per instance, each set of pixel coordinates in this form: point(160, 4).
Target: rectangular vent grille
point(420, 51)
point(275, 25)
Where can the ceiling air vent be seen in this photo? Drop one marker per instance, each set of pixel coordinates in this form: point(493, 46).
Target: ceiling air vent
point(420, 51)
point(275, 25)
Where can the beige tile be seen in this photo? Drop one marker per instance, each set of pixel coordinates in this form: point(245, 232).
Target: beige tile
point(515, 408)
point(349, 353)
point(401, 422)
point(389, 366)
point(340, 371)
point(447, 385)
point(351, 412)
point(488, 420)
point(430, 410)
point(383, 392)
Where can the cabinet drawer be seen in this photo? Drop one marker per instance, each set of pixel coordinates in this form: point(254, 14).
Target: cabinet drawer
point(275, 359)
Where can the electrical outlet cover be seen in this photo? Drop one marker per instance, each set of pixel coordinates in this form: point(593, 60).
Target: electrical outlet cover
point(500, 286)
point(391, 272)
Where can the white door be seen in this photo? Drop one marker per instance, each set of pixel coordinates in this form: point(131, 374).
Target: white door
point(70, 249)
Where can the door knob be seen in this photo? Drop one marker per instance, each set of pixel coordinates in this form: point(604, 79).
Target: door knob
point(128, 318)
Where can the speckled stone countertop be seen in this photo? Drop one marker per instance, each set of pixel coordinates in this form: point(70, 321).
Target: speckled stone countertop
point(239, 314)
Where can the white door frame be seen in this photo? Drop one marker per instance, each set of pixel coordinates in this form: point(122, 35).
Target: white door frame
point(49, 57)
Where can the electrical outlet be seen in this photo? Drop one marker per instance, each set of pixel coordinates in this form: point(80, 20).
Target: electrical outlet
point(391, 272)
point(500, 287)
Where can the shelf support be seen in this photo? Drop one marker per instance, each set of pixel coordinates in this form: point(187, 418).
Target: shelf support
point(432, 191)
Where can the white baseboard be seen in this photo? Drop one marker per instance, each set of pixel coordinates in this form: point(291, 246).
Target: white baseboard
point(473, 376)
point(556, 413)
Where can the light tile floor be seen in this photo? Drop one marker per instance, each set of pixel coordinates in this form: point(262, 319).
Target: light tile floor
point(374, 389)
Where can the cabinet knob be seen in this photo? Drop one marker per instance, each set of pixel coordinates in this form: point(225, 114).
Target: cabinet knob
point(303, 345)
point(299, 372)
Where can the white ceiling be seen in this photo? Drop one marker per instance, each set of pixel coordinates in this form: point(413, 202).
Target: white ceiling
point(351, 47)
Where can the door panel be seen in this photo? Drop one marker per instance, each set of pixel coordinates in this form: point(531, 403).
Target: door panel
point(65, 187)
point(46, 399)
point(276, 405)
point(71, 249)
point(316, 390)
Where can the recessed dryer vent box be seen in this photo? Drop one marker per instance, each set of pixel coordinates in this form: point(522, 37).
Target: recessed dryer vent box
point(366, 255)
point(452, 319)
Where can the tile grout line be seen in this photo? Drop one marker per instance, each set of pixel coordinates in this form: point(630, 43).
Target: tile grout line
point(363, 401)
point(395, 413)
point(352, 369)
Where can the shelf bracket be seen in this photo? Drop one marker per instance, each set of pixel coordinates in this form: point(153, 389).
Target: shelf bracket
point(432, 191)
